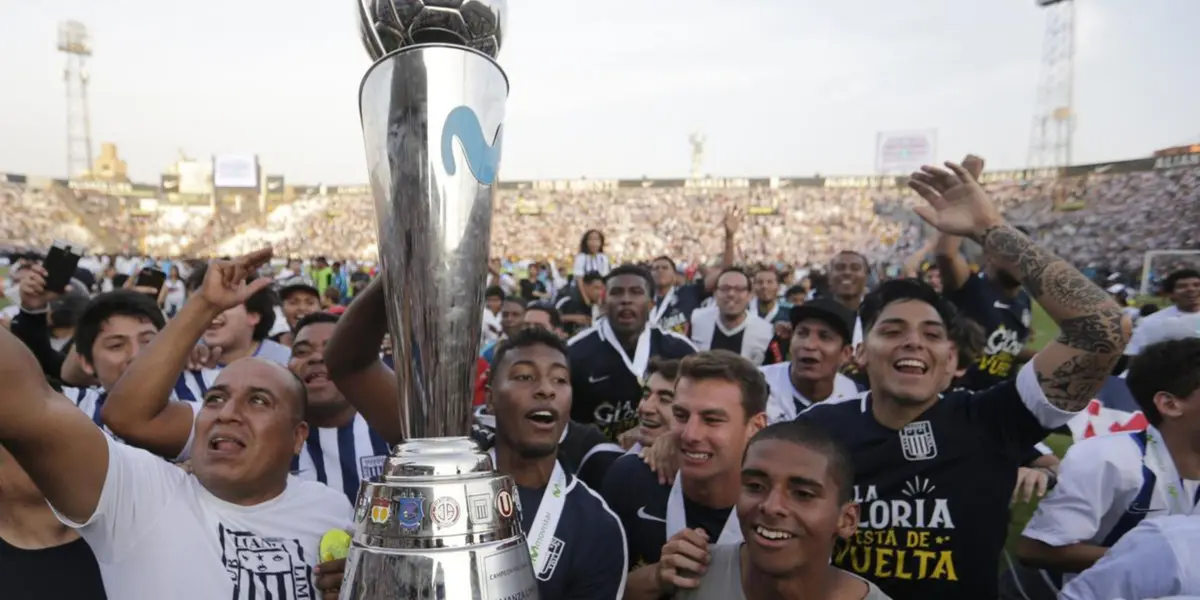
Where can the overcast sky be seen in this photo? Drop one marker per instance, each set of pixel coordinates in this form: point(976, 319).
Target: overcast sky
point(608, 89)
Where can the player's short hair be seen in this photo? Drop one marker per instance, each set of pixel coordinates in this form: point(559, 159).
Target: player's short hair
point(866, 263)
point(901, 290)
point(669, 260)
point(739, 270)
point(117, 303)
point(771, 270)
point(494, 291)
point(1172, 366)
point(667, 367)
point(1169, 283)
point(807, 434)
point(969, 338)
point(524, 338)
point(723, 365)
point(636, 270)
point(546, 307)
point(592, 277)
point(313, 318)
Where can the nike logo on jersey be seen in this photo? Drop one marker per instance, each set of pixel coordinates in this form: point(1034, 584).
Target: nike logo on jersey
point(594, 379)
point(642, 514)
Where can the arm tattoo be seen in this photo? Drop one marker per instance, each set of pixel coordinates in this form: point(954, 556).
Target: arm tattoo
point(1071, 385)
point(1092, 333)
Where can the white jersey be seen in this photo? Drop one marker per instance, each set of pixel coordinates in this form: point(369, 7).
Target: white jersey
point(157, 533)
point(1106, 487)
point(1157, 559)
point(341, 457)
point(785, 402)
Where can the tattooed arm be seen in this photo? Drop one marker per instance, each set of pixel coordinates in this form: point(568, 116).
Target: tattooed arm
point(1093, 329)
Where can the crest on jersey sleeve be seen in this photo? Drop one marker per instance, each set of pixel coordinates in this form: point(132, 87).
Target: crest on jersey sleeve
point(917, 441)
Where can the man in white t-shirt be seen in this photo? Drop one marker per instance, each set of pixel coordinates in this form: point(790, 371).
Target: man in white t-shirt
point(1107, 485)
point(1155, 560)
point(237, 527)
point(821, 343)
point(1183, 288)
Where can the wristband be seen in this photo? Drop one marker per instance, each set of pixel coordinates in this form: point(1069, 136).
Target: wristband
point(35, 311)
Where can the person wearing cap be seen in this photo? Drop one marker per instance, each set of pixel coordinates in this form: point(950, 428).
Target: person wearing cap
point(299, 297)
point(822, 331)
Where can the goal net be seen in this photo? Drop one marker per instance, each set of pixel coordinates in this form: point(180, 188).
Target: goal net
point(1157, 264)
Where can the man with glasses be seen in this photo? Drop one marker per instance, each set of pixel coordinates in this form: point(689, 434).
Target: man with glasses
point(729, 324)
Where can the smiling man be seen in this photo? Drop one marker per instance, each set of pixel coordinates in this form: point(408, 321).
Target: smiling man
point(936, 472)
point(796, 502)
point(237, 526)
point(719, 405)
point(822, 331)
point(654, 411)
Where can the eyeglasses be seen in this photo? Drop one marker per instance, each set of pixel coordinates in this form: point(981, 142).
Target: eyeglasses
point(732, 289)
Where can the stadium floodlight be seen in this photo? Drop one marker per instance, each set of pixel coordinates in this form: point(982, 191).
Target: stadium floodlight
point(1164, 261)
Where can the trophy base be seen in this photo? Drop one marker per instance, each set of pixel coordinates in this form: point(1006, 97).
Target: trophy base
point(438, 524)
point(487, 572)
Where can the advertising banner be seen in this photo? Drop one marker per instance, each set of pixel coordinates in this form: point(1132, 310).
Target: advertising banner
point(235, 171)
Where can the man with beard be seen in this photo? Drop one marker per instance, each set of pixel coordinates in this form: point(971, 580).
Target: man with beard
point(608, 361)
point(339, 450)
point(719, 402)
point(242, 330)
point(936, 472)
point(820, 345)
point(797, 500)
point(994, 299)
point(156, 530)
point(730, 325)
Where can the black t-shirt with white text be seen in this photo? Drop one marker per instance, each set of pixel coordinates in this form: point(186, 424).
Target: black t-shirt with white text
point(933, 496)
point(587, 559)
point(633, 492)
point(605, 392)
point(1006, 322)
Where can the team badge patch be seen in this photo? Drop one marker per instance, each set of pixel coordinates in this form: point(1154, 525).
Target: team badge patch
point(444, 512)
point(504, 504)
point(381, 510)
point(411, 512)
point(480, 506)
point(917, 441)
point(554, 552)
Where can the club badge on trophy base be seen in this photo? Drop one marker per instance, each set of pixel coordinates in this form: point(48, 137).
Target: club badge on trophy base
point(439, 523)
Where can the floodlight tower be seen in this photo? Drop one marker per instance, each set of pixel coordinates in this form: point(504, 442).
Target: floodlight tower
point(1054, 112)
point(73, 41)
point(697, 141)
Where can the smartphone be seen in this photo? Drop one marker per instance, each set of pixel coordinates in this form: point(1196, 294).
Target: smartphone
point(60, 263)
point(151, 278)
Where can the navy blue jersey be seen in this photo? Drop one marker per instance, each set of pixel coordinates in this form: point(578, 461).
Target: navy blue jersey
point(673, 311)
point(935, 495)
point(640, 501)
point(1006, 322)
point(605, 388)
point(587, 559)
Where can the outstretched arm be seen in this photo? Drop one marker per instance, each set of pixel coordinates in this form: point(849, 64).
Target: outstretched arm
point(1093, 329)
point(63, 452)
point(352, 358)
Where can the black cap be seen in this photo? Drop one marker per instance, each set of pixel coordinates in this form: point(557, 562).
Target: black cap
point(828, 311)
point(297, 284)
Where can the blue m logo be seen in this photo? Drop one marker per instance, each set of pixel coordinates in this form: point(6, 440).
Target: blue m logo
point(482, 158)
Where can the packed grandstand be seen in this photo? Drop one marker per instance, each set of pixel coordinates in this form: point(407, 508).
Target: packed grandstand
point(1102, 216)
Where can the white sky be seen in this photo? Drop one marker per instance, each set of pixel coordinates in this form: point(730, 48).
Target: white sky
point(608, 89)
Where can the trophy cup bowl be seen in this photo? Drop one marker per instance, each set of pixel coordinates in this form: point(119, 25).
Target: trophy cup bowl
point(439, 522)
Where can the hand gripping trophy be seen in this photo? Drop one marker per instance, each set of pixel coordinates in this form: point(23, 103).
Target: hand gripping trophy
point(439, 523)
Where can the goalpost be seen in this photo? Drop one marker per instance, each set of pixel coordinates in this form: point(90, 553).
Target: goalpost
point(1148, 264)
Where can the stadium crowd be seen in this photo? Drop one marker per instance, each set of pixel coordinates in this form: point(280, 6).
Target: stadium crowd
point(839, 400)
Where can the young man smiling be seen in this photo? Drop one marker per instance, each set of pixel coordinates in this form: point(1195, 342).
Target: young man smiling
point(719, 405)
point(796, 502)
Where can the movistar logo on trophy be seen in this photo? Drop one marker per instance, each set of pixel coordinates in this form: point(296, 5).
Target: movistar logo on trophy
point(483, 158)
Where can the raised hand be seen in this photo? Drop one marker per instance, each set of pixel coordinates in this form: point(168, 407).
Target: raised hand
point(957, 203)
point(732, 221)
point(225, 284)
point(34, 295)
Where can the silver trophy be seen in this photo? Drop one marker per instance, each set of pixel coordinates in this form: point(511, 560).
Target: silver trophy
point(439, 522)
